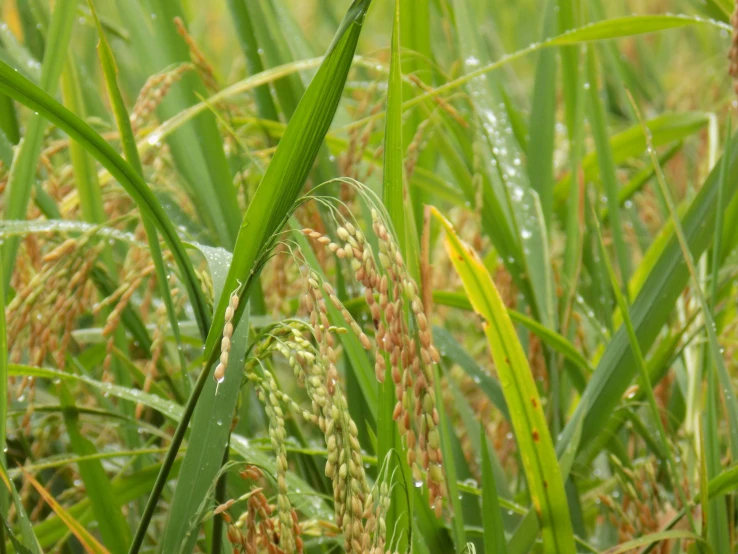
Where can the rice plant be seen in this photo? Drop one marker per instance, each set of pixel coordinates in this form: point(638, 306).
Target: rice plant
point(370, 277)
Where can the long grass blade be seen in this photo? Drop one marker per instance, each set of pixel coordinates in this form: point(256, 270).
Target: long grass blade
point(716, 527)
point(290, 165)
point(494, 532)
point(113, 526)
point(242, 21)
point(274, 46)
point(607, 166)
point(88, 542)
point(395, 200)
point(6, 530)
point(394, 193)
point(449, 465)
point(531, 431)
point(543, 119)
point(28, 537)
point(653, 538)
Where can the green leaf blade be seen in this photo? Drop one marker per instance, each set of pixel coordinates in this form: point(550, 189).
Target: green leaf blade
point(531, 430)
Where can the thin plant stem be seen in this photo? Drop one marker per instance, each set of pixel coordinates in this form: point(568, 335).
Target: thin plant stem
point(161, 478)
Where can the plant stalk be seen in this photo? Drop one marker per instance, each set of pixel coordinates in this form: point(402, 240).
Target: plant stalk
point(166, 467)
point(220, 494)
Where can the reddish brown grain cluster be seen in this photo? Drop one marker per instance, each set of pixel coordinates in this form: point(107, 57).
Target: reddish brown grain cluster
point(256, 530)
point(411, 357)
point(391, 294)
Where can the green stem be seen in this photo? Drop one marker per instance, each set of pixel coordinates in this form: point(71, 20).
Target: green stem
point(161, 478)
point(220, 494)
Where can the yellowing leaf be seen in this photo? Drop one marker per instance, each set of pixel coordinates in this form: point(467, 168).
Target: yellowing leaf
point(529, 422)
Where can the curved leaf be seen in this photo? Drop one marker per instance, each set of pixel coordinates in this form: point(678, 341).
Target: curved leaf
point(23, 170)
point(290, 166)
point(25, 92)
point(88, 542)
point(531, 430)
point(652, 538)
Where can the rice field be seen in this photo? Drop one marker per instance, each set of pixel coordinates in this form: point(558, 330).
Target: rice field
point(368, 276)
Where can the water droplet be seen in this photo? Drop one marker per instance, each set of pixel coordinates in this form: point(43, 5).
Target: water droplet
point(472, 61)
point(154, 139)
